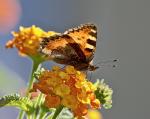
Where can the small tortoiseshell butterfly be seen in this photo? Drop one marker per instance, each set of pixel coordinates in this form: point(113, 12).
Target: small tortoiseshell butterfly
point(74, 47)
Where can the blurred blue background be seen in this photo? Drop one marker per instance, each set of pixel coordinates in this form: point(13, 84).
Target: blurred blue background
point(123, 33)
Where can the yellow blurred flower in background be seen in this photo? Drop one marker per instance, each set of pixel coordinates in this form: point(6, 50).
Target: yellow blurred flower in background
point(94, 114)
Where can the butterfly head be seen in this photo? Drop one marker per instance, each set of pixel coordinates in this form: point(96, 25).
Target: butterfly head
point(92, 68)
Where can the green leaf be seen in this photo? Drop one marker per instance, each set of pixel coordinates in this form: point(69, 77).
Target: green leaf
point(16, 100)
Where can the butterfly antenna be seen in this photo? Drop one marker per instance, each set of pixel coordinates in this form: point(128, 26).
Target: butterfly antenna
point(107, 62)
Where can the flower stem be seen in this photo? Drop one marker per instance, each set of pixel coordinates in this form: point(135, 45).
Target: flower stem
point(38, 102)
point(43, 116)
point(58, 110)
point(21, 114)
point(29, 116)
point(34, 68)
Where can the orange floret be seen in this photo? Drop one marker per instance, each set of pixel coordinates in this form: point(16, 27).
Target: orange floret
point(52, 101)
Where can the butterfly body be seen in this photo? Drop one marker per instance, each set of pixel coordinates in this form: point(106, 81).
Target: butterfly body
point(74, 47)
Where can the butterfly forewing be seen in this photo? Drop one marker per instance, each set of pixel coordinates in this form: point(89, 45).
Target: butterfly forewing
point(85, 35)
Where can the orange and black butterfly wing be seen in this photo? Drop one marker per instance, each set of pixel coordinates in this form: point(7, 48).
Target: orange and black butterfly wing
point(61, 49)
point(75, 47)
point(85, 36)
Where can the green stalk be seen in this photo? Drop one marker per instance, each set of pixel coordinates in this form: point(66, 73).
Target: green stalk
point(42, 112)
point(29, 116)
point(42, 115)
point(57, 112)
point(36, 61)
point(38, 102)
point(36, 65)
point(21, 114)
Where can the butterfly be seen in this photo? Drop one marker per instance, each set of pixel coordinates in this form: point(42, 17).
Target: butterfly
point(74, 47)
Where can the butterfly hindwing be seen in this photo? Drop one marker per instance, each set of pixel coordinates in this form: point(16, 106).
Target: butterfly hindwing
point(51, 43)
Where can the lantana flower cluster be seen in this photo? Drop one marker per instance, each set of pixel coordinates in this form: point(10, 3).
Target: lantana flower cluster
point(62, 87)
point(67, 87)
point(27, 40)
